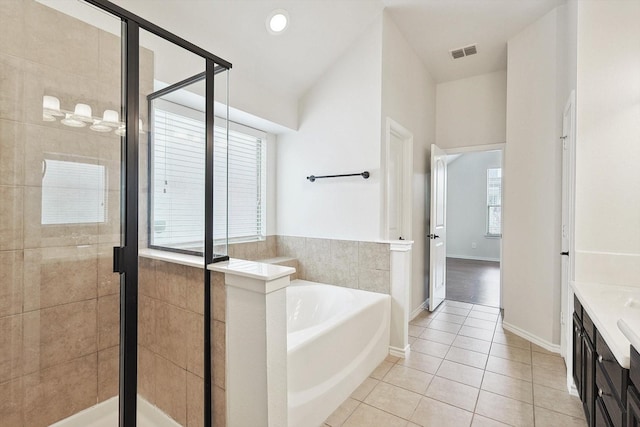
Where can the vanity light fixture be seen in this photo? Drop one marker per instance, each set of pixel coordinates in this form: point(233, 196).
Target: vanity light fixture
point(277, 21)
point(82, 116)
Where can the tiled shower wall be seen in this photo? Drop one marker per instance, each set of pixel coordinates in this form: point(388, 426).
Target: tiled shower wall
point(59, 300)
point(171, 346)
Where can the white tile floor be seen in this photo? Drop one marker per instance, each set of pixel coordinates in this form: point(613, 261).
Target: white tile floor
point(464, 370)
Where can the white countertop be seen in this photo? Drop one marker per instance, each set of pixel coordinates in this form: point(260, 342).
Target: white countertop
point(252, 269)
point(606, 304)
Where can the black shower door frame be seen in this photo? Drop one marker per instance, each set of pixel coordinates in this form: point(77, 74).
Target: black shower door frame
point(125, 260)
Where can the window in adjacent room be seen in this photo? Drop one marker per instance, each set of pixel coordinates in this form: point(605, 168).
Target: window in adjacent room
point(177, 179)
point(494, 202)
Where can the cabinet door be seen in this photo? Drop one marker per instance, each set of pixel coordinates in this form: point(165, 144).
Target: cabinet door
point(633, 408)
point(578, 371)
point(589, 379)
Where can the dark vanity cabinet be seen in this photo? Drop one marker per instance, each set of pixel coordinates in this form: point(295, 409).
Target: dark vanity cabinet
point(600, 380)
point(633, 398)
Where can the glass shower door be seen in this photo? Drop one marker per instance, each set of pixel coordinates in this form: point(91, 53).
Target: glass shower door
point(60, 191)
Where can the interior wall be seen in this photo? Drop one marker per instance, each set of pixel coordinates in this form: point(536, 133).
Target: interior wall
point(408, 97)
point(608, 143)
point(472, 111)
point(467, 207)
point(339, 133)
point(532, 200)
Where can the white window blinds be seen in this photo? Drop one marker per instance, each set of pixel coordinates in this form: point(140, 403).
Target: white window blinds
point(494, 201)
point(178, 154)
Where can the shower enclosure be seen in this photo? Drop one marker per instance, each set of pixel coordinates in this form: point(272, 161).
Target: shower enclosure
point(93, 331)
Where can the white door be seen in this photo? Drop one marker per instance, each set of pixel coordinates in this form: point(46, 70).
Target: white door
point(437, 228)
point(568, 164)
point(395, 177)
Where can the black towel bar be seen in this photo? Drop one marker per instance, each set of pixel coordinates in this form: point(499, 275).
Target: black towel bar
point(364, 174)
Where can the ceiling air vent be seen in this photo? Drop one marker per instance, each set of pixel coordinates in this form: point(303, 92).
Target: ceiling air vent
point(464, 51)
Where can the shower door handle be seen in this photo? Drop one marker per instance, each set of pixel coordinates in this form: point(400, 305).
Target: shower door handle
point(118, 259)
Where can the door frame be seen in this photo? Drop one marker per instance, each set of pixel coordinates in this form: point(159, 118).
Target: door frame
point(490, 147)
point(394, 128)
point(568, 143)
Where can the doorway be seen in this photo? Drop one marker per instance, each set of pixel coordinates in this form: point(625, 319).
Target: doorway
point(474, 226)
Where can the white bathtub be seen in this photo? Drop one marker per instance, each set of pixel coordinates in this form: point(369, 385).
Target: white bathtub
point(336, 337)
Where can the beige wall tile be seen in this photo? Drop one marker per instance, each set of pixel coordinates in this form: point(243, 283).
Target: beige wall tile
point(11, 84)
point(318, 272)
point(108, 321)
point(11, 400)
point(146, 374)
point(195, 289)
point(195, 343)
point(110, 230)
point(171, 339)
point(219, 354)
point(59, 334)
point(171, 389)
point(108, 373)
point(219, 295)
point(373, 255)
point(11, 24)
point(11, 276)
point(272, 247)
point(374, 280)
point(11, 347)
point(60, 391)
point(147, 277)
point(12, 140)
point(291, 246)
point(344, 252)
point(54, 276)
point(195, 401)
point(110, 58)
point(11, 218)
point(219, 407)
point(171, 283)
point(78, 37)
point(147, 322)
point(317, 251)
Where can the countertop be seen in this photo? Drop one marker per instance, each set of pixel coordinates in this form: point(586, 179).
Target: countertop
point(606, 305)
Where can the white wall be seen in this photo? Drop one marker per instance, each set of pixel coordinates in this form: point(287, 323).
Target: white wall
point(532, 204)
point(472, 111)
point(408, 97)
point(339, 132)
point(467, 206)
point(608, 143)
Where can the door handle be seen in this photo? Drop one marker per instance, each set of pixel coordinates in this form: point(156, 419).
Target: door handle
point(433, 236)
point(566, 253)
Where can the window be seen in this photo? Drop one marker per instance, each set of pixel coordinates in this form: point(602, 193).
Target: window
point(73, 192)
point(494, 202)
point(177, 179)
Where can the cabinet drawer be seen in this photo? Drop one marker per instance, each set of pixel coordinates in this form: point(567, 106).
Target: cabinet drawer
point(610, 401)
point(634, 371)
point(577, 307)
point(615, 373)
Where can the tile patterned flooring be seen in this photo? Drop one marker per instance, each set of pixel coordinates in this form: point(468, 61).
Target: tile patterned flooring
point(464, 370)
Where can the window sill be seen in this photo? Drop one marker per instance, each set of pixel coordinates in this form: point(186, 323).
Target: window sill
point(183, 259)
point(493, 236)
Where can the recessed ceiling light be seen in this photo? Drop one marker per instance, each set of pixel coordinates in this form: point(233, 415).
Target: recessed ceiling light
point(277, 21)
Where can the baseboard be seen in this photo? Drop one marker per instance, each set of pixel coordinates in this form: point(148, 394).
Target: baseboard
point(400, 352)
point(554, 348)
point(474, 258)
point(420, 309)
